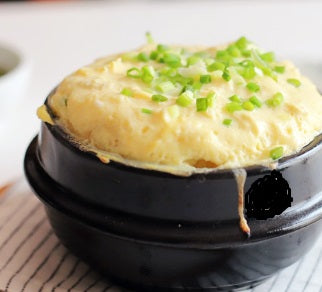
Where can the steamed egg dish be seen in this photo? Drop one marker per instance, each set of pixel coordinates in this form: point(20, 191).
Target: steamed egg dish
point(188, 109)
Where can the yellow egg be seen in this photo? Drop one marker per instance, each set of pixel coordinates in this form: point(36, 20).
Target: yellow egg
point(183, 139)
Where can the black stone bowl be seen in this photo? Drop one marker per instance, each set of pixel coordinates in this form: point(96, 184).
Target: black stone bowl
point(155, 231)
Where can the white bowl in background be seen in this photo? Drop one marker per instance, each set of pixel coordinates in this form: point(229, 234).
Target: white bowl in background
point(13, 83)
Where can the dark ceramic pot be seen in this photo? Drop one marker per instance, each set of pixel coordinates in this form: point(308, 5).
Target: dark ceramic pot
point(155, 231)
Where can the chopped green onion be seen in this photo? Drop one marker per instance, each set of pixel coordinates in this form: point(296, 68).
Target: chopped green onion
point(227, 122)
point(279, 69)
point(216, 66)
point(294, 82)
point(185, 99)
point(246, 53)
point(247, 69)
point(246, 63)
point(187, 87)
point(159, 98)
point(233, 51)
point(143, 57)
point(146, 111)
point(225, 75)
point(235, 98)
point(172, 60)
point(196, 85)
point(192, 87)
point(165, 86)
point(233, 107)
point(182, 80)
point(148, 74)
point(169, 72)
point(210, 98)
point(127, 92)
point(268, 57)
point(253, 87)
point(262, 65)
point(269, 72)
point(224, 56)
point(249, 106)
point(276, 100)
point(202, 104)
point(221, 54)
point(205, 78)
point(193, 60)
point(162, 48)
point(149, 38)
point(276, 153)
point(255, 101)
point(242, 43)
point(154, 55)
point(134, 72)
point(248, 72)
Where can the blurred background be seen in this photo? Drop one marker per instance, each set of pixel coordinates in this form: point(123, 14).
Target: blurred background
point(54, 38)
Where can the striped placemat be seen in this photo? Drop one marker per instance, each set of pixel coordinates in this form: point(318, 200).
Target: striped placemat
point(32, 259)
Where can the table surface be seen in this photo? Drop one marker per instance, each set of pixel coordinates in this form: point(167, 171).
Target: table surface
point(57, 38)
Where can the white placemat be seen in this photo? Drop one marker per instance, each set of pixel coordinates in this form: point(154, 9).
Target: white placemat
point(32, 259)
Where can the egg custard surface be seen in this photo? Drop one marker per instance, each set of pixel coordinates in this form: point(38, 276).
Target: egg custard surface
point(185, 110)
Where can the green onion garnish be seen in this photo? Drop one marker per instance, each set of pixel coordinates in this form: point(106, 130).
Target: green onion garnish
point(185, 99)
point(226, 75)
point(162, 48)
point(242, 43)
point(235, 98)
point(196, 85)
point(276, 100)
point(262, 65)
point(134, 72)
point(210, 98)
point(154, 55)
point(227, 122)
point(149, 38)
point(148, 74)
point(205, 78)
point(159, 98)
point(279, 69)
point(202, 104)
point(249, 106)
point(255, 101)
point(165, 86)
point(146, 111)
point(216, 66)
point(127, 92)
point(233, 51)
point(276, 153)
point(246, 53)
point(253, 87)
point(224, 56)
point(233, 107)
point(193, 60)
point(294, 82)
point(268, 57)
point(247, 69)
point(143, 57)
point(172, 60)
